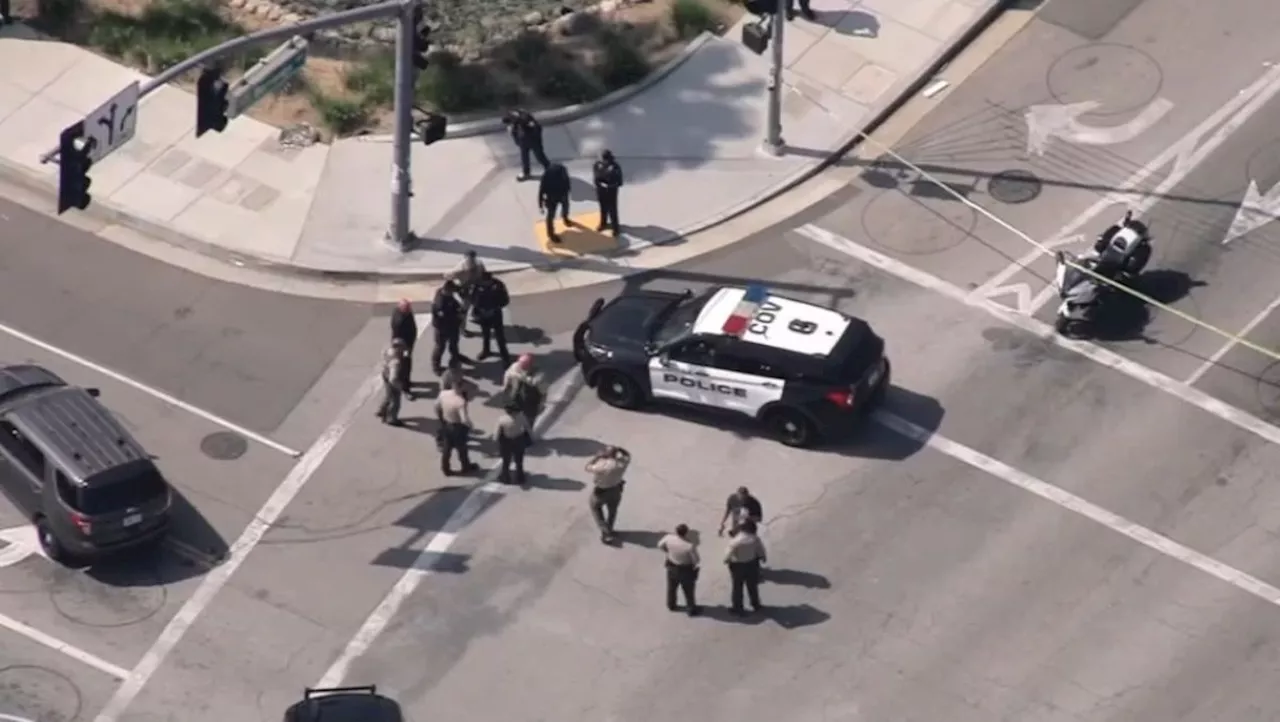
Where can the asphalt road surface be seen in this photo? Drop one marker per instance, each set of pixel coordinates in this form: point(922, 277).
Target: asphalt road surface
point(1031, 529)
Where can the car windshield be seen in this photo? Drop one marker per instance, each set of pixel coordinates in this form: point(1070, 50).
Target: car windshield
point(677, 321)
point(120, 495)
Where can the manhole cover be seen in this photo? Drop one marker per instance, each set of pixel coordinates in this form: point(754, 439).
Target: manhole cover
point(224, 446)
point(1014, 186)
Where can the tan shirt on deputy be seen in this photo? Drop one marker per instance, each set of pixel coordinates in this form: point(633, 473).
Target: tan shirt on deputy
point(511, 425)
point(451, 407)
point(744, 547)
point(607, 472)
point(680, 552)
point(515, 376)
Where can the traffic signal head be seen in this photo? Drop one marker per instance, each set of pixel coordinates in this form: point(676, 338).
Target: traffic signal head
point(756, 36)
point(74, 161)
point(421, 39)
point(432, 128)
point(211, 101)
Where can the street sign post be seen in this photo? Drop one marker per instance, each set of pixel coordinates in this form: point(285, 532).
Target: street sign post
point(267, 76)
point(113, 124)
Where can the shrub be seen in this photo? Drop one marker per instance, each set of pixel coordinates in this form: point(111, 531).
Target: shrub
point(564, 83)
point(621, 62)
point(341, 115)
point(374, 79)
point(452, 86)
point(165, 33)
point(529, 51)
point(692, 17)
point(57, 17)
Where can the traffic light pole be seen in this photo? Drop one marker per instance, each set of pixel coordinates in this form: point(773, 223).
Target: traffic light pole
point(773, 143)
point(387, 8)
point(400, 234)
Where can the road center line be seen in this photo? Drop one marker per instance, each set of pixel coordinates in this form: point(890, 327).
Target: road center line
point(217, 578)
point(1065, 499)
point(1098, 354)
point(440, 542)
point(1222, 351)
point(62, 647)
point(148, 390)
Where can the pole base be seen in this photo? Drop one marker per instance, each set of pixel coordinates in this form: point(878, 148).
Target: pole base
point(403, 244)
point(777, 150)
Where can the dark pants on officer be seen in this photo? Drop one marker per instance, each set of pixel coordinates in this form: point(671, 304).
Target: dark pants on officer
point(389, 409)
point(533, 148)
point(685, 578)
point(552, 204)
point(493, 330)
point(406, 367)
point(804, 8)
point(6, 13)
point(608, 200)
point(512, 453)
point(744, 576)
point(454, 438)
point(604, 507)
point(445, 339)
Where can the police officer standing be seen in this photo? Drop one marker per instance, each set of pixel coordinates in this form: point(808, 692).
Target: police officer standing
point(489, 297)
point(607, 177)
point(404, 328)
point(805, 10)
point(682, 568)
point(553, 194)
point(512, 434)
point(738, 508)
point(526, 131)
point(392, 382)
point(745, 556)
point(446, 322)
point(455, 428)
point(465, 275)
point(522, 387)
point(607, 469)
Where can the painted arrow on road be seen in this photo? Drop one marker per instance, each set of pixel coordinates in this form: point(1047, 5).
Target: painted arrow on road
point(1256, 210)
point(1046, 122)
point(20, 542)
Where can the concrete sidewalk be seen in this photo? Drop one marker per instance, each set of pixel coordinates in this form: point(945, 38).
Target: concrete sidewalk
point(689, 144)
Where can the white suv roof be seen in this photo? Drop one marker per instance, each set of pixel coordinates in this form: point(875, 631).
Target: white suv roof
point(755, 315)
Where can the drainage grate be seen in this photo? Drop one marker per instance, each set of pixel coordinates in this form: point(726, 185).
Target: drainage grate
point(224, 446)
point(1015, 186)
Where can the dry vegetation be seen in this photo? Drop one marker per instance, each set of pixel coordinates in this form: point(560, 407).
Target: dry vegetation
point(538, 67)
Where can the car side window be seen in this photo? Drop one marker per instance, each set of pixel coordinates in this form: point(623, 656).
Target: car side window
point(66, 490)
point(743, 364)
point(21, 448)
point(698, 352)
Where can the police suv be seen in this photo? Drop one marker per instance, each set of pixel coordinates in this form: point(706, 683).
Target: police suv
point(804, 371)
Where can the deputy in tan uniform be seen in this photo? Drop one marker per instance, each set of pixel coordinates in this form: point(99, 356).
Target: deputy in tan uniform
point(745, 555)
point(682, 568)
point(455, 428)
point(512, 434)
point(607, 469)
point(393, 382)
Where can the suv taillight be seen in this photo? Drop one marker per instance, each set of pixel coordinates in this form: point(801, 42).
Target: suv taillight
point(841, 397)
point(82, 523)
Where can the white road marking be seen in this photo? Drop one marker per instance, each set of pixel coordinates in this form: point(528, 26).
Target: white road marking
point(440, 543)
point(1045, 122)
point(1256, 210)
point(1232, 343)
point(62, 647)
point(1185, 155)
point(1065, 499)
point(217, 578)
point(150, 391)
point(1110, 359)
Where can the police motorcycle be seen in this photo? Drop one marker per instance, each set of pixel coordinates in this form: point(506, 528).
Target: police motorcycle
point(1119, 254)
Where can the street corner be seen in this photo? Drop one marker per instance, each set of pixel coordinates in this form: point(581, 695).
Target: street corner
point(578, 237)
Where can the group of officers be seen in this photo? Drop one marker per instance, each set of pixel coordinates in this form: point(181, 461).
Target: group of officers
point(555, 185)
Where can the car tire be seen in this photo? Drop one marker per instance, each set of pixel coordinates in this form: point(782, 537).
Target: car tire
point(49, 543)
point(791, 428)
point(617, 390)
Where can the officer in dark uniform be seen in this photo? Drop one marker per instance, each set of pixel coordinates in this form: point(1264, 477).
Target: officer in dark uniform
point(446, 322)
point(488, 298)
point(805, 10)
point(607, 176)
point(553, 193)
point(404, 328)
point(526, 131)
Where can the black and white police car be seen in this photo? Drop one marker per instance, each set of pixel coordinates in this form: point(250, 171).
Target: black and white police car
point(806, 372)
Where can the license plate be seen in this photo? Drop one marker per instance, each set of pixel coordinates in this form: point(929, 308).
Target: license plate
point(132, 519)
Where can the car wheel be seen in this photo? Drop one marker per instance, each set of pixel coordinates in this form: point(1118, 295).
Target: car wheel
point(791, 428)
point(49, 541)
point(617, 390)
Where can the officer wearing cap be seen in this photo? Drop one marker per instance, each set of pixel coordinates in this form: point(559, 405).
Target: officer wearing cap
point(682, 568)
point(607, 177)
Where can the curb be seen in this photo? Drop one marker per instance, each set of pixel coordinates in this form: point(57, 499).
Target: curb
point(32, 181)
point(570, 113)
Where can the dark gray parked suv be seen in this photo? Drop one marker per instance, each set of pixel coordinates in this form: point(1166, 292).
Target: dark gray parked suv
point(344, 704)
point(86, 484)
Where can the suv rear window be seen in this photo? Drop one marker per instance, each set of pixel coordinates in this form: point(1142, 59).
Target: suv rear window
point(114, 496)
